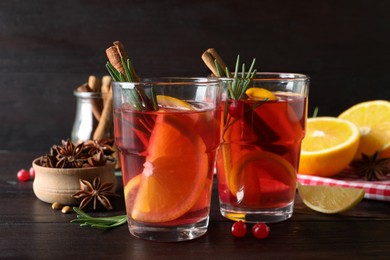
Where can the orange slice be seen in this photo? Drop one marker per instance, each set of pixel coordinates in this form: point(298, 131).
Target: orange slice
point(130, 190)
point(328, 147)
point(172, 102)
point(373, 120)
point(174, 173)
point(260, 94)
point(258, 173)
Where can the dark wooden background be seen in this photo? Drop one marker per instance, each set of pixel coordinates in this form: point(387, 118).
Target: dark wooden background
point(48, 48)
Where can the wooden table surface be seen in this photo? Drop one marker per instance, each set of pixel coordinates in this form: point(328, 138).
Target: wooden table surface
point(30, 229)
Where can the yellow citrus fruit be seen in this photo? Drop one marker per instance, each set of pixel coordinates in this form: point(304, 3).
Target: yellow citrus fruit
point(168, 101)
point(174, 174)
point(260, 94)
point(373, 120)
point(329, 146)
point(330, 199)
point(131, 190)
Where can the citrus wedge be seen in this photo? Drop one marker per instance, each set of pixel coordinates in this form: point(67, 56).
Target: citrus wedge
point(174, 174)
point(131, 190)
point(330, 199)
point(172, 102)
point(260, 94)
point(329, 146)
point(257, 174)
point(373, 120)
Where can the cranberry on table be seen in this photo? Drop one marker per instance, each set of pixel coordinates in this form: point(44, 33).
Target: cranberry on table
point(239, 229)
point(23, 175)
point(260, 230)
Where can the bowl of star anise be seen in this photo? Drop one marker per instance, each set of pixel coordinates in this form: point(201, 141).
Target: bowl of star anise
point(76, 174)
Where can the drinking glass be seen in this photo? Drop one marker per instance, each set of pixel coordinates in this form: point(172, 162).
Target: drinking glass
point(167, 131)
point(259, 153)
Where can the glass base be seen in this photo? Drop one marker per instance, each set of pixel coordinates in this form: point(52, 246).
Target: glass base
point(168, 233)
point(271, 215)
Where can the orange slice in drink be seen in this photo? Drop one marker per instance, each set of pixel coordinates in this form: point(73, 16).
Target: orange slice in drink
point(260, 94)
point(172, 102)
point(131, 189)
point(258, 173)
point(174, 173)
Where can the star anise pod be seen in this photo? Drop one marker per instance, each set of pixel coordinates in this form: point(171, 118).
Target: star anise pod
point(95, 146)
point(94, 193)
point(372, 168)
point(70, 155)
point(50, 160)
point(97, 160)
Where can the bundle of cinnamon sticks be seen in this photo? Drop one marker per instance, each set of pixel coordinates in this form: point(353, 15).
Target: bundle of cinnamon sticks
point(101, 111)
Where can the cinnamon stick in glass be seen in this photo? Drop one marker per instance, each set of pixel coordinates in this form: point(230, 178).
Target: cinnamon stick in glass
point(209, 57)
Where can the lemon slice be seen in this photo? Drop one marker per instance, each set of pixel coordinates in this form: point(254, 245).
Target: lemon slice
point(172, 102)
point(260, 94)
point(330, 199)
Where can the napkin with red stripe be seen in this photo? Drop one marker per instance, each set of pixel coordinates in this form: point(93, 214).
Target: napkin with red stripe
point(375, 190)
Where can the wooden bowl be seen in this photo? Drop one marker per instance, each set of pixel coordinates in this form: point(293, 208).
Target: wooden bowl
point(58, 185)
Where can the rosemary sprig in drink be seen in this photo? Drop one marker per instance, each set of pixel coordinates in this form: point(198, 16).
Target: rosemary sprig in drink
point(237, 87)
point(121, 69)
point(240, 83)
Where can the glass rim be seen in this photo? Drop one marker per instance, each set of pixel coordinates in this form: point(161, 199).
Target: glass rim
point(171, 81)
point(274, 76)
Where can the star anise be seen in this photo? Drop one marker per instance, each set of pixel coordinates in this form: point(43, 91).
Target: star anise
point(97, 159)
point(50, 160)
point(94, 193)
point(95, 146)
point(372, 168)
point(70, 155)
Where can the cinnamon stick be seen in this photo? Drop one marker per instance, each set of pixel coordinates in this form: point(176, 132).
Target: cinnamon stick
point(93, 83)
point(209, 57)
point(83, 88)
point(105, 122)
point(115, 53)
point(105, 88)
point(97, 106)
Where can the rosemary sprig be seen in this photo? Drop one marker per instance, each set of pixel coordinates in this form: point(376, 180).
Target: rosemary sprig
point(237, 88)
point(104, 222)
point(138, 100)
point(315, 112)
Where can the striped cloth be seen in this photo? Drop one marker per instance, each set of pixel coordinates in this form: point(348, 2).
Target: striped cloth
point(375, 190)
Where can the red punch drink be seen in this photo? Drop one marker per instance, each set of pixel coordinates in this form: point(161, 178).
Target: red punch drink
point(259, 153)
point(167, 158)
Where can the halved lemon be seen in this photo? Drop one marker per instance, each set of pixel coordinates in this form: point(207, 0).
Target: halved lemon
point(260, 94)
point(373, 120)
point(330, 199)
point(329, 146)
point(172, 102)
point(174, 174)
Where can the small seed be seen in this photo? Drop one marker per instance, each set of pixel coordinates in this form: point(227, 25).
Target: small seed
point(66, 209)
point(56, 206)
